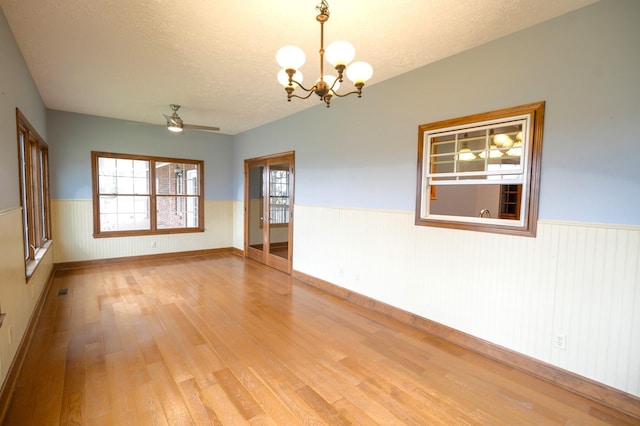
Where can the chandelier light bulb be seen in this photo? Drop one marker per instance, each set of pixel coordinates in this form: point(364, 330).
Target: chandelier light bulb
point(340, 53)
point(290, 57)
point(494, 152)
point(359, 72)
point(329, 79)
point(503, 140)
point(516, 149)
point(465, 154)
point(283, 77)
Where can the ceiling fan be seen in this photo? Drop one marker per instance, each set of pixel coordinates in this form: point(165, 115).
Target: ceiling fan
point(176, 125)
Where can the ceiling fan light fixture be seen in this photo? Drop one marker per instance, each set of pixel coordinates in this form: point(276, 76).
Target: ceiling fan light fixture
point(174, 122)
point(174, 127)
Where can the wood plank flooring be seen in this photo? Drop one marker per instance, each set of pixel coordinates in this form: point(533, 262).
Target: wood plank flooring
point(219, 340)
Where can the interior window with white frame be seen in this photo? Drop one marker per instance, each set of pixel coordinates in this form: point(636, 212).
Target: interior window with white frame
point(481, 172)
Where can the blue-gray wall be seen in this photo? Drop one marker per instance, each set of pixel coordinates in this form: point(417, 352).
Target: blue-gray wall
point(17, 89)
point(72, 137)
point(18, 297)
point(362, 152)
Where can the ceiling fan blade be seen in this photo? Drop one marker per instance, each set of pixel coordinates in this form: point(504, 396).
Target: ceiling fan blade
point(204, 128)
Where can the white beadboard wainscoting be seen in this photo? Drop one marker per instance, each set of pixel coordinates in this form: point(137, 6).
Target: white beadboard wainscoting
point(576, 280)
point(72, 220)
point(18, 299)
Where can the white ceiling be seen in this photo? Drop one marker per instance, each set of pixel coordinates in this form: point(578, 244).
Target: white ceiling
point(129, 59)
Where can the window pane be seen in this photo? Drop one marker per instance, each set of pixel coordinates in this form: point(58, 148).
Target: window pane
point(141, 185)
point(176, 178)
point(124, 185)
point(279, 194)
point(23, 176)
point(177, 212)
point(192, 211)
point(443, 154)
point(41, 191)
point(122, 213)
point(460, 200)
point(107, 184)
point(123, 176)
point(192, 183)
point(107, 166)
point(475, 152)
point(124, 167)
point(166, 178)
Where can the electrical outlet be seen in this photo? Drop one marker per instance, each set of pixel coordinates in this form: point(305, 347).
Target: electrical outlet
point(560, 341)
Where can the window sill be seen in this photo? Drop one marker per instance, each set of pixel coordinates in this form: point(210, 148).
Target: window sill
point(141, 233)
point(32, 264)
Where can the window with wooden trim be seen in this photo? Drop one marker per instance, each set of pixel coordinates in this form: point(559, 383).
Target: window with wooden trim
point(142, 195)
point(33, 159)
point(486, 169)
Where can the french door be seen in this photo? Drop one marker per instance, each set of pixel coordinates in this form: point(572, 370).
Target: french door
point(268, 207)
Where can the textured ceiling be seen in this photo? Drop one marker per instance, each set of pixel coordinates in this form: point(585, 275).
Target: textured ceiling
point(130, 59)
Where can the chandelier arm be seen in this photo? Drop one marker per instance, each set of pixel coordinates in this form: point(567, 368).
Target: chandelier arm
point(301, 97)
point(359, 92)
point(311, 90)
point(336, 81)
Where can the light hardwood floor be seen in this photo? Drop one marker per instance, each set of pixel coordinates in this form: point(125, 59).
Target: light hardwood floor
point(219, 340)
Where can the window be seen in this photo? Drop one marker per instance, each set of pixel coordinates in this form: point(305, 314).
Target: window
point(139, 195)
point(34, 192)
point(279, 194)
point(485, 170)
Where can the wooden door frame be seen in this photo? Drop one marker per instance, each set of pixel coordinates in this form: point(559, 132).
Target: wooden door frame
point(285, 265)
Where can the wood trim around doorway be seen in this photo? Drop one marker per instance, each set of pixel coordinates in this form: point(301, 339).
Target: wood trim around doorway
point(252, 251)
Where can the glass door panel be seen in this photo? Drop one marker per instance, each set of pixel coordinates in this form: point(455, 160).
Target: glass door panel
point(279, 210)
point(255, 210)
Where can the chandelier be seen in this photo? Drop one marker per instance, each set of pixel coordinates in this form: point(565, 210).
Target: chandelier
point(339, 54)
